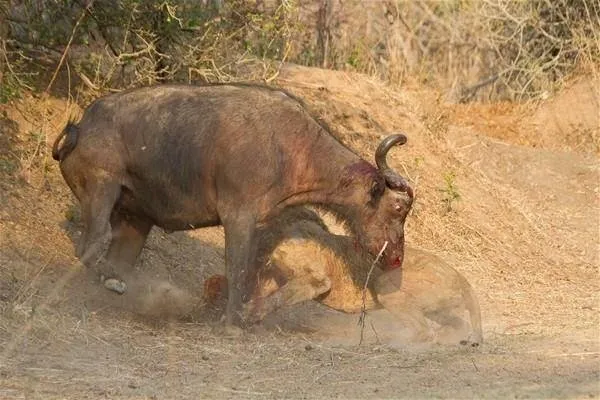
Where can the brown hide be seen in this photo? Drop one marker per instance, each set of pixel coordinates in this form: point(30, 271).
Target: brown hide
point(183, 157)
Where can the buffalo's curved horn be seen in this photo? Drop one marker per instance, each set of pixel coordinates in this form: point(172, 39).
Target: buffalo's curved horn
point(385, 146)
point(392, 179)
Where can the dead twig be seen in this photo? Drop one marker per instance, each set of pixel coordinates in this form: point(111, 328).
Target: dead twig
point(363, 310)
point(475, 365)
point(375, 332)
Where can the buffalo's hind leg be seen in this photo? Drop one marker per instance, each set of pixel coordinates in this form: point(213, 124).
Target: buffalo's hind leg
point(97, 202)
point(129, 233)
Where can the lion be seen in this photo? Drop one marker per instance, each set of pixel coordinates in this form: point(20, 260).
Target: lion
point(302, 260)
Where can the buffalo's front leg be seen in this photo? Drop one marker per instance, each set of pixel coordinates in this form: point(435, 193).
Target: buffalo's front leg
point(240, 262)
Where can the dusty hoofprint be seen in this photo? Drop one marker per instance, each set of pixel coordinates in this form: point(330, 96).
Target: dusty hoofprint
point(302, 260)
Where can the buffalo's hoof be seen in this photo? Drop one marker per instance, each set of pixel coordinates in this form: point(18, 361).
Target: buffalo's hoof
point(115, 285)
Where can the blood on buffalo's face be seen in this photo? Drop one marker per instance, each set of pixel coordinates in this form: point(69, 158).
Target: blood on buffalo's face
point(386, 224)
point(385, 212)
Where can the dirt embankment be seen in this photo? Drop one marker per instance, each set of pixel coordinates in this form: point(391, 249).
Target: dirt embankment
point(508, 194)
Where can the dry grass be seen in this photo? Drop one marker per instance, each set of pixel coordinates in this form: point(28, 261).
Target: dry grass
point(482, 50)
point(520, 233)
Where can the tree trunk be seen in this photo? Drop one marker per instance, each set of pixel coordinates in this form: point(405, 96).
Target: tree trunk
point(4, 30)
point(324, 31)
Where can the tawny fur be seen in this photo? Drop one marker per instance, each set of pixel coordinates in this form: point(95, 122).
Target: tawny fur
point(304, 261)
point(426, 289)
point(322, 257)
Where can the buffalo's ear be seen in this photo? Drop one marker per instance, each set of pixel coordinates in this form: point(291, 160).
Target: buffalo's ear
point(376, 190)
point(397, 183)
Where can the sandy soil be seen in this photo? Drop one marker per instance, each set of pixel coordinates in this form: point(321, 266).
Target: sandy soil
point(524, 230)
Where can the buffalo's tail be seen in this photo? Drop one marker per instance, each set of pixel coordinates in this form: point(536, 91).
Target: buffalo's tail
point(71, 134)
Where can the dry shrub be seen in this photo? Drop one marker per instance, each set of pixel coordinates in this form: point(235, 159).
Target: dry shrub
point(475, 50)
point(9, 87)
point(514, 49)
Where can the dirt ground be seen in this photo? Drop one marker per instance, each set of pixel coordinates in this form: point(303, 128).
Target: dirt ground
point(508, 194)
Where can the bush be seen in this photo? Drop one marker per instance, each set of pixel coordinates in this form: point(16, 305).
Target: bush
point(513, 49)
point(493, 49)
point(118, 44)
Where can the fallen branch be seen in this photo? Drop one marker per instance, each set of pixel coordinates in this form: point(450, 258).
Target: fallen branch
point(468, 93)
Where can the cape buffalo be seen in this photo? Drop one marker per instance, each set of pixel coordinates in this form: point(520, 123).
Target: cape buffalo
point(183, 157)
